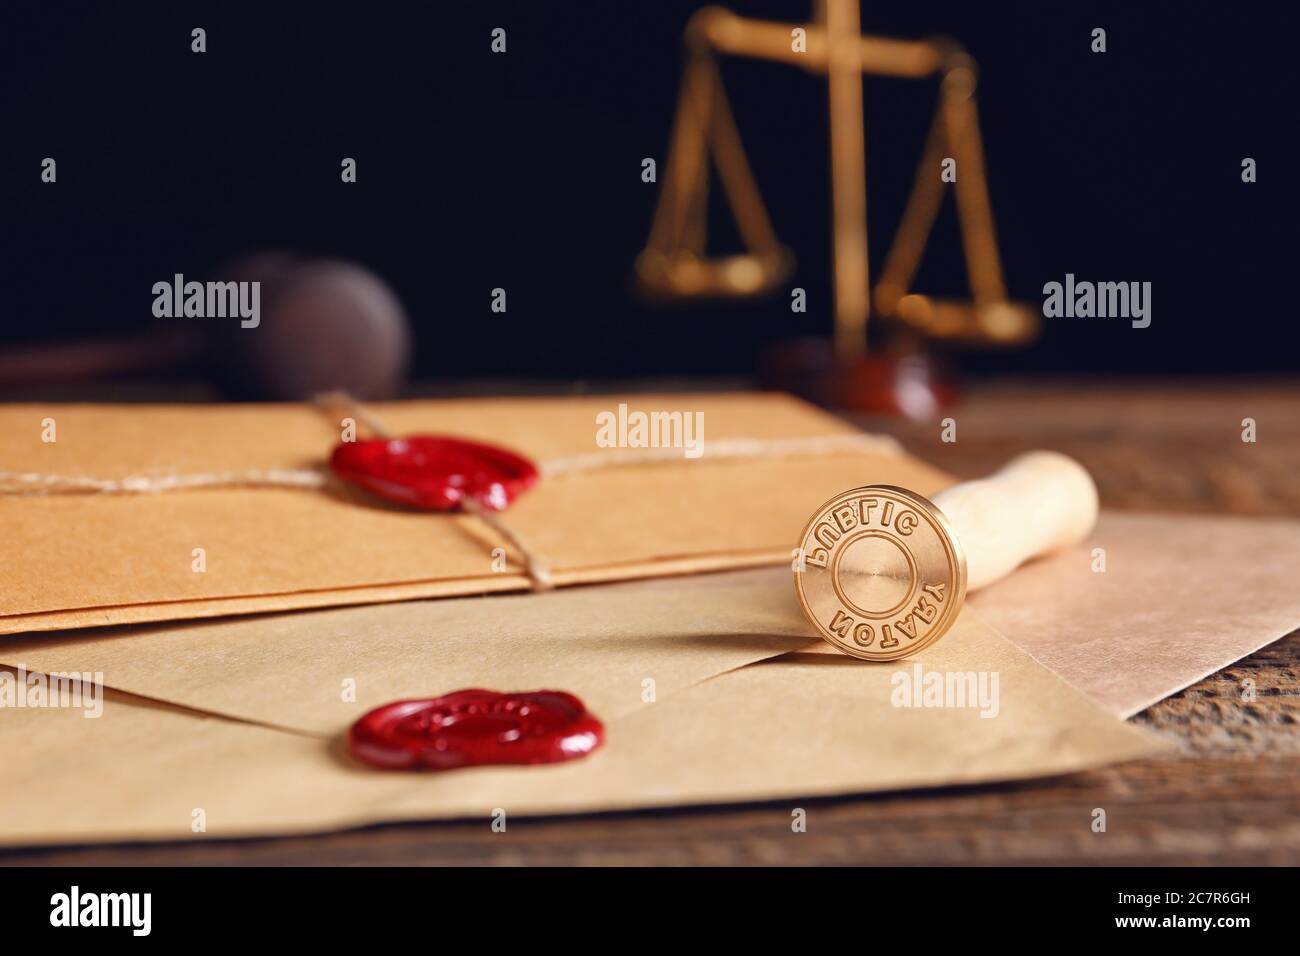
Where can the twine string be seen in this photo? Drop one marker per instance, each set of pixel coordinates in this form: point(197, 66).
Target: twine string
point(35, 483)
point(539, 571)
point(342, 402)
point(724, 449)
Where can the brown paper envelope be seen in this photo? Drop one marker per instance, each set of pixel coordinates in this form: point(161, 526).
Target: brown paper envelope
point(1168, 610)
point(291, 670)
point(86, 560)
point(800, 726)
point(1180, 598)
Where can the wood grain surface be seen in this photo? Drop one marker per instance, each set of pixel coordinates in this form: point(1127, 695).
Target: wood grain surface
point(1229, 794)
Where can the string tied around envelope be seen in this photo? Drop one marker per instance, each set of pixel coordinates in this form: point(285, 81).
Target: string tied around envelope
point(537, 568)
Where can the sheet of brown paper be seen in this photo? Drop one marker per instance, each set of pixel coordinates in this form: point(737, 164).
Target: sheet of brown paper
point(88, 560)
point(800, 726)
point(1181, 597)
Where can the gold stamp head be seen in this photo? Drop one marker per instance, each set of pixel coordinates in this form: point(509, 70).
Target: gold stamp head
point(880, 573)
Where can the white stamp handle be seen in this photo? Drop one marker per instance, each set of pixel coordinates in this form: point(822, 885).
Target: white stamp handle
point(1038, 503)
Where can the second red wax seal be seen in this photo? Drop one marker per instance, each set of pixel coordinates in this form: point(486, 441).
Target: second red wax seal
point(435, 472)
point(471, 728)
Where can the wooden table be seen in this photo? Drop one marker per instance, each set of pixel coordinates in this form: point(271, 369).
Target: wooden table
point(1229, 795)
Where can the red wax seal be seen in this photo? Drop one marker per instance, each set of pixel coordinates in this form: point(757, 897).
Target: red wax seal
point(471, 728)
point(435, 472)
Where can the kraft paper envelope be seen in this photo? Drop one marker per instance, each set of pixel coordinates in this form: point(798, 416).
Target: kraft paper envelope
point(1167, 610)
point(82, 560)
point(1180, 598)
point(292, 670)
point(800, 726)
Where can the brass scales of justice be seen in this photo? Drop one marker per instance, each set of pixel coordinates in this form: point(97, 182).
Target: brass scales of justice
point(675, 264)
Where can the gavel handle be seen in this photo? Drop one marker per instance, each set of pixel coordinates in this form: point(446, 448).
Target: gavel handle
point(1038, 503)
point(158, 349)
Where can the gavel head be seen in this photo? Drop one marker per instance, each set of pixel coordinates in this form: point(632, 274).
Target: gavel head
point(880, 573)
point(325, 325)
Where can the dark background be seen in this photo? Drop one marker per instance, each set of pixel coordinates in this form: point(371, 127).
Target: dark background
point(523, 171)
